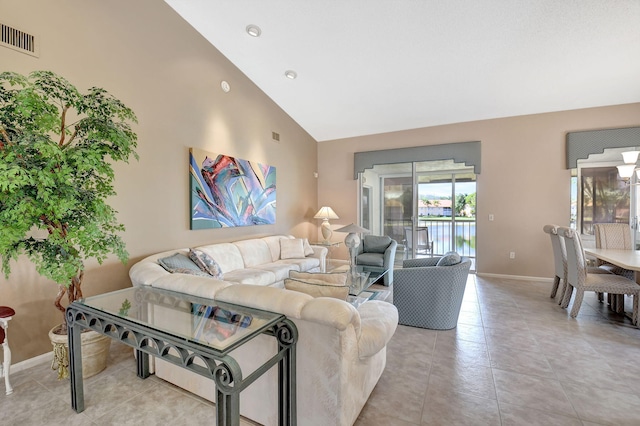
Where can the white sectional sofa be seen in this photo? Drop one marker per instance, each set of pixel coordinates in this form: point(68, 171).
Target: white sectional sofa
point(341, 350)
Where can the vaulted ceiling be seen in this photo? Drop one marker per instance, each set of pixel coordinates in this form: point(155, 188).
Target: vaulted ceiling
point(374, 66)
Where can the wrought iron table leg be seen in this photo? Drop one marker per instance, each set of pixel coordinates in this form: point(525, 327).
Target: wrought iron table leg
point(287, 336)
point(142, 364)
point(75, 364)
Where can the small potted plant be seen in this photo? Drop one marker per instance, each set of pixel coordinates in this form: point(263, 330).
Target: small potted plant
point(57, 146)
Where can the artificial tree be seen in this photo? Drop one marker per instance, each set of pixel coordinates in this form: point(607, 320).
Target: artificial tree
point(57, 147)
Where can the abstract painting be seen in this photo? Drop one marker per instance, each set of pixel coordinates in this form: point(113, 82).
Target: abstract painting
point(227, 191)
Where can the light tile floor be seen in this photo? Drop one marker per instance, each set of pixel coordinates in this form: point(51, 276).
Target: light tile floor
point(516, 358)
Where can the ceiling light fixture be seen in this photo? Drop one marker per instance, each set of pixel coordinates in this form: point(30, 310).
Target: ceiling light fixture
point(290, 74)
point(626, 170)
point(253, 30)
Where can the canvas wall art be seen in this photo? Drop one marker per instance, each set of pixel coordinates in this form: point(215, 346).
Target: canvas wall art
point(228, 191)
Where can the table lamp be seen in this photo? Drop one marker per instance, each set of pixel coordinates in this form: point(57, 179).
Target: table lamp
point(352, 241)
point(326, 213)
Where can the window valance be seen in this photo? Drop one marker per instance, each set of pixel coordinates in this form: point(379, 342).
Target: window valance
point(581, 144)
point(462, 152)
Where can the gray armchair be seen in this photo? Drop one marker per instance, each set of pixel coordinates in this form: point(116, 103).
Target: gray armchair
point(378, 253)
point(430, 296)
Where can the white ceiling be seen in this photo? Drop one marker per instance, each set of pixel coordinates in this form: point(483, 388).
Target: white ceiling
point(375, 66)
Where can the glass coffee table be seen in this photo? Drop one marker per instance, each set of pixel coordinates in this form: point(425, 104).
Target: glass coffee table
point(363, 277)
point(361, 280)
point(192, 332)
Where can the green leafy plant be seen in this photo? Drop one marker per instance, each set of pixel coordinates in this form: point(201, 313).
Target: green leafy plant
point(57, 147)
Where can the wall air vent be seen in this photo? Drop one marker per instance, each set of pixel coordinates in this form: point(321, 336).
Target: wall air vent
point(18, 40)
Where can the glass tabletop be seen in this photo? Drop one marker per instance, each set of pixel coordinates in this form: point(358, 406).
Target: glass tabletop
point(363, 277)
point(221, 326)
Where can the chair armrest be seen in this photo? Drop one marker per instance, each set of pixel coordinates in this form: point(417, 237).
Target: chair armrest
point(320, 252)
point(422, 262)
point(389, 261)
point(379, 321)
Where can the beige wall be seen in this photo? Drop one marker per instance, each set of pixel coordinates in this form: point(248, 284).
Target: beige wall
point(523, 183)
point(146, 55)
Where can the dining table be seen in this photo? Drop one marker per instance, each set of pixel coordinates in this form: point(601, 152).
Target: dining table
point(627, 259)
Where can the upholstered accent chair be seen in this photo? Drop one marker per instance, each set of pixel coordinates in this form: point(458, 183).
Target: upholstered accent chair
point(430, 296)
point(379, 252)
point(581, 281)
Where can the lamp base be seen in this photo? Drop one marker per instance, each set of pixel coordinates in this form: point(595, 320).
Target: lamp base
point(326, 230)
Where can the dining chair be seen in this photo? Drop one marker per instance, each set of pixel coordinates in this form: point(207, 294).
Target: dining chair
point(579, 279)
point(614, 236)
point(560, 261)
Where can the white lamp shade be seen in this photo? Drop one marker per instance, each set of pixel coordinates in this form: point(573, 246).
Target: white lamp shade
point(326, 212)
point(630, 157)
point(352, 228)
point(626, 171)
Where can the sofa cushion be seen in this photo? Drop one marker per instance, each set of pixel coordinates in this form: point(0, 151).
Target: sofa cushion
point(449, 258)
point(371, 259)
point(273, 242)
point(226, 254)
point(304, 264)
point(250, 276)
point(331, 277)
point(205, 262)
point(280, 270)
point(317, 288)
point(180, 263)
point(206, 287)
point(292, 248)
point(254, 252)
point(376, 243)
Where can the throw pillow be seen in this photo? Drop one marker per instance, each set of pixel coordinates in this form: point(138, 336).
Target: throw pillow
point(335, 278)
point(179, 262)
point(449, 258)
point(308, 251)
point(205, 262)
point(376, 243)
point(317, 288)
point(291, 248)
point(191, 272)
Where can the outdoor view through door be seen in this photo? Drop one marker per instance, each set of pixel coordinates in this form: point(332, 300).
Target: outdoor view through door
point(428, 207)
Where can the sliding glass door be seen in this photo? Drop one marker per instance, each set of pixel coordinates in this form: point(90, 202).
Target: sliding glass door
point(427, 207)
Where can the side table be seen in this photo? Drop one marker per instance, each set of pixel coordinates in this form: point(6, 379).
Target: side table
point(214, 330)
point(330, 245)
point(6, 313)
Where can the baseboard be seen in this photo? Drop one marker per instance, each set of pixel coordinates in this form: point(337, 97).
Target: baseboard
point(32, 362)
point(515, 277)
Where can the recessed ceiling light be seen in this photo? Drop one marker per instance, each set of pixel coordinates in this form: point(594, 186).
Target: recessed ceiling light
point(253, 30)
point(291, 74)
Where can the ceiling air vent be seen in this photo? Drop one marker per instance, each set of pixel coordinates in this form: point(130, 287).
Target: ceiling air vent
point(18, 40)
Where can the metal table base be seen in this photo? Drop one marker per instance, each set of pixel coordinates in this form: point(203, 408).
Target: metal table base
point(221, 368)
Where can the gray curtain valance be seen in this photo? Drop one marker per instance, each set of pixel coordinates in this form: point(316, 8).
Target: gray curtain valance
point(581, 144)
point(462, 152)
